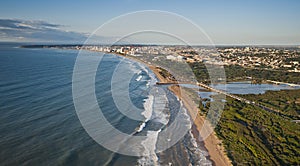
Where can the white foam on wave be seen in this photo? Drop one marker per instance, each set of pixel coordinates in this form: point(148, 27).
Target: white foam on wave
point(154, 110)
point(143, 67)
point(154, 107)
point(132, 66)
point(153, 78)
point(148, 83)
point(139, 68)
point(187, 117)
point(139, 78)
point(199, 156)
point(159, 113)
point(149, 144)
point(152, 81)
point(148, 106)
point(141, 127)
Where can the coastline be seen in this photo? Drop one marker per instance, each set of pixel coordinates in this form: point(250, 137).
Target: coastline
point(213, 145)
point(216, 152)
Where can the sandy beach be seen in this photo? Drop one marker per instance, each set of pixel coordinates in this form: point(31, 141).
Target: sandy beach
point(212, 143)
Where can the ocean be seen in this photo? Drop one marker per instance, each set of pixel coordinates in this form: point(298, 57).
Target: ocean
point(39, 124)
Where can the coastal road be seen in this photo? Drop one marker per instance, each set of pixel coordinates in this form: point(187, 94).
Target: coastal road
point(272, 110)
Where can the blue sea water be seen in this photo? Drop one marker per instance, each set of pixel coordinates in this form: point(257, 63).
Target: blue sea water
point(39, 124)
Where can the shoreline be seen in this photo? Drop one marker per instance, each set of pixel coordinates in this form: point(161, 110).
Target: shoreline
point(213, 145)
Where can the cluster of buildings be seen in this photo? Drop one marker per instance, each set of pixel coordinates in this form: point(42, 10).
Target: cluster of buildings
point(261, 57)
point(271, 58)
point(126, 50)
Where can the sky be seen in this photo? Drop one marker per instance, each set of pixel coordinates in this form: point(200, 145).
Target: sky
point(225, 22)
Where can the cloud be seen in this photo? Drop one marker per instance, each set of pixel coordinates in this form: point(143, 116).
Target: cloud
point(32, 30)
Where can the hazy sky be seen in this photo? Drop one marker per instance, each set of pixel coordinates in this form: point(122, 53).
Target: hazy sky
point(225, 21)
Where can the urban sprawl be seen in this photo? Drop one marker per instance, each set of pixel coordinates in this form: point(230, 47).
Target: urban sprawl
point(269, 58)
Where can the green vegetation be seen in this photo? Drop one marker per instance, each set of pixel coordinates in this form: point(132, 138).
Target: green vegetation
point(287, 101)
point(235, 72)
point(166, 74)
point(200, 71)
point(253, 136)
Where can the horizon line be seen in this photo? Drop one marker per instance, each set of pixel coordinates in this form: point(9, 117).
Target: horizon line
point(145, 44)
